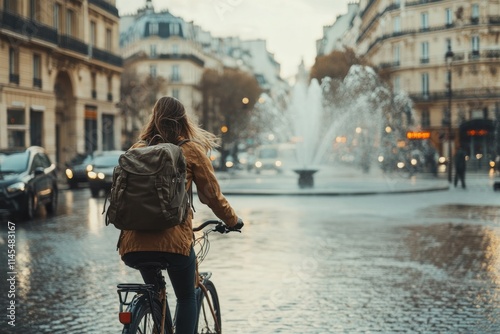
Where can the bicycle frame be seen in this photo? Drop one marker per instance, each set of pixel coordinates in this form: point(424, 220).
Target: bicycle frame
point(144, 293)
point(205, 276)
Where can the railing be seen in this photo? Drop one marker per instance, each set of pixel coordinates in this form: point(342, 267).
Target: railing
point(457, 57)
point(106, 6)
point(389, 64)
point(461, 94)
point(106, 57)
point(110, 97)
point(183, 56)
point(34, 29)
point(73, 44)
point(37, 82)
point(14, 78)
point(491, 53)
point(27, 27)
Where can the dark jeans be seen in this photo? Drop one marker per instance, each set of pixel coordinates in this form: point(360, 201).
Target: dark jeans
point(181, 271)
point(460, 175)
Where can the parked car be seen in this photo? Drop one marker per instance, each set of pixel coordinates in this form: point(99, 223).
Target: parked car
point(100, 171)
point(76, 169)
point(28, 179)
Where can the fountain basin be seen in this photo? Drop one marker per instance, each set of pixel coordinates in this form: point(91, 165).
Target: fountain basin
point(306, 177)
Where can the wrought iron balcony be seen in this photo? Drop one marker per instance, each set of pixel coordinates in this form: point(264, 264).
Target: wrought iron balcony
point(106, 6)
point(27, 27)
point(106, 57)
point(460, 94)
point(37, 82)
point(73, 44)
point(14, 78)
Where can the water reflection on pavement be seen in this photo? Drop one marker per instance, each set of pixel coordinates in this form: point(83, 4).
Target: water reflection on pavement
point(302, 265)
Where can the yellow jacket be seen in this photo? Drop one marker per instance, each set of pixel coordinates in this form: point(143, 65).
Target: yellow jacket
point(179, 239)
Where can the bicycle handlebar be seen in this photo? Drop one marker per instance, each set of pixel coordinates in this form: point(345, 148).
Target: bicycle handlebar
point(220, 226)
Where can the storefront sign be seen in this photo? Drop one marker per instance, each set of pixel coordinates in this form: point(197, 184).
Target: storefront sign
point(477, 133)
point(418, 135)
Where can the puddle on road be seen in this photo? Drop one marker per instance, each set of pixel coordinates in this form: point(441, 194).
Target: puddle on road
point(460, 250)
point(464, 211)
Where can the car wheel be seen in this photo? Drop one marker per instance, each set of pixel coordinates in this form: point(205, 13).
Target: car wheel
point(30, 207)
point(51, 207)
point(94, 192)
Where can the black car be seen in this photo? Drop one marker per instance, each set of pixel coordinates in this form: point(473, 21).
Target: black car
point(100, 171)
point(28, 179)
point(76, 170)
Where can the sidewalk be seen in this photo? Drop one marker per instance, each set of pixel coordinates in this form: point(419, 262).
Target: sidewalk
point(342, 181)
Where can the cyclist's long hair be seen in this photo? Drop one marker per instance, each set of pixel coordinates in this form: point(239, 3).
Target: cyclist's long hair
point(170, 123)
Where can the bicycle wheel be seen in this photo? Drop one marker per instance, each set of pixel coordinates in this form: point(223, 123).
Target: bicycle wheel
point(143, 322)
point(207, 323)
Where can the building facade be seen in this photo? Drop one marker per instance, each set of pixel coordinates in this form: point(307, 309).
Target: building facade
point(160, 44)
point(59, 75)
point(407, 40)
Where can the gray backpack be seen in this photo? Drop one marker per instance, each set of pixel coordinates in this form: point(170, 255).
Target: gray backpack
point(149, 189)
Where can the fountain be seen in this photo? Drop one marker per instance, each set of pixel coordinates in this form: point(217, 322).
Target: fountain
point(355, 109)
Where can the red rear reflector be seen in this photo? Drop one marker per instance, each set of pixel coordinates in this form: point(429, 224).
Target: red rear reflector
point(125, 317)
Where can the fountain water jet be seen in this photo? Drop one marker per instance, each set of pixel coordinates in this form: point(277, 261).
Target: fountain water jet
point(356, 110)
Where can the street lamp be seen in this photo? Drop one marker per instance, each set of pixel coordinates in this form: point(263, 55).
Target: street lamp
point(449, 58)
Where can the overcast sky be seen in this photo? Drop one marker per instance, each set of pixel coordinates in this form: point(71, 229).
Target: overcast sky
point(290, 27)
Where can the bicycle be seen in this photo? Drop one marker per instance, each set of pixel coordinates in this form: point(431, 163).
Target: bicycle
point(135, 313)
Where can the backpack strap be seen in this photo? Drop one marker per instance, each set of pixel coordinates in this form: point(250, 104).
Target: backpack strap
point(190, 190)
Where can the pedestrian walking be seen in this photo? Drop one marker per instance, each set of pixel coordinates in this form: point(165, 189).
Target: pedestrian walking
point(173, 247)
point(460, 157)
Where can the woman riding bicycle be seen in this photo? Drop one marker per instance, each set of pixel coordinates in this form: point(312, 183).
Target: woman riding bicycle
point(174, 247)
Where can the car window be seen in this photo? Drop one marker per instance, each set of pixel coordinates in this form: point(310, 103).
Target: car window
point(45, 160)
point(106, 161)
point(37, 162)
point(14, 163)
point(81, 159)
point(269, 153)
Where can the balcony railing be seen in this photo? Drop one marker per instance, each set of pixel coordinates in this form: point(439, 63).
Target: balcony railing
point(14, 78)
point(110, 97)
point(389, 65)
point(37, 82)
point(27, 27)
point(491, 53)
point(106, 57)
point(424, 60)
point(106, 6)
point(73, 44)
point(183, 56)
point(34, 29)
point(93, 93)
point(461, 94)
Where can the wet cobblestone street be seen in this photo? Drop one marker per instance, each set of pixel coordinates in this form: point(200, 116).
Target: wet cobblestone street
point(413, 263)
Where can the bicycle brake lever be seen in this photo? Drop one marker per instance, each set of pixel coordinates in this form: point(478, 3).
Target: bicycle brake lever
point(221, 229)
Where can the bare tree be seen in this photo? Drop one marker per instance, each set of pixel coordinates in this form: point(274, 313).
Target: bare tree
point(137, 97)
point(228, 101)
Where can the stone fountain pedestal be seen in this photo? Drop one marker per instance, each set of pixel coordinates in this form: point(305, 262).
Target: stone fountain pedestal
point(306, 177)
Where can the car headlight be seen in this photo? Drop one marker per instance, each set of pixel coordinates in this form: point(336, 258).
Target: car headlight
point(69, 173)
point(16, 187)
point(277, 163)
point(258, 164)
point(92, 175)
point(101, 176)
